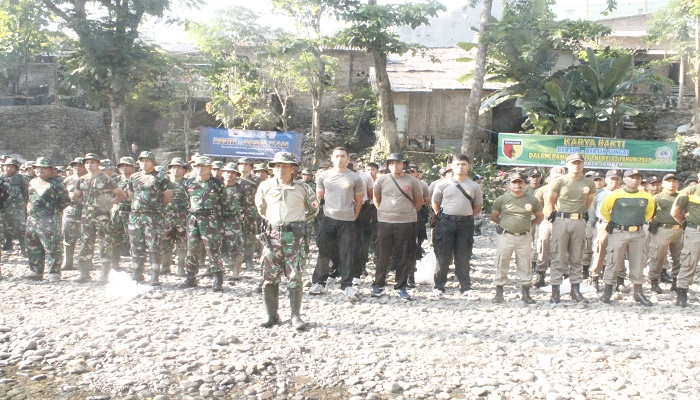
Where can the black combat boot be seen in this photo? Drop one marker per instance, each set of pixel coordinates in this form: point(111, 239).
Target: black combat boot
point(586, 273)
point(218, 281)
point(639, 296)
point(539, 282)
point(576, 293)
point(556, 298)
point(271, 297)
point(682, 297)
point(411, 280)
point(498, 298)
point(595, 283)
point(607, 294)
point(295, 297)
point(621, 286)
point(655, 286)
point(526, 295)
point(673, 285)
point(190, 280)
point(665, 277)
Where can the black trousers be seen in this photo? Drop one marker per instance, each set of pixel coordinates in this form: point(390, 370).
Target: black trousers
point(363, 226)
point(453, 240)
point(336, 240)
point(396, 243)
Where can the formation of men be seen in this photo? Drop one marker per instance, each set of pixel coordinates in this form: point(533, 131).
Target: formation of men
point(214, 217)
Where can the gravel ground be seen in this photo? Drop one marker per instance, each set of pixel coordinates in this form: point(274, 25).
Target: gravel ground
point(84, 341)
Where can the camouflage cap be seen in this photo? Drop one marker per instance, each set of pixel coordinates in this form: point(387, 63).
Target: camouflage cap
point(260, 167)
point(43, 162)
point(149, 155)
point(126, 161)
point(282, 157)
point(76, 161)
point(106, 164)
point(91, 156)
point(11, 161)
point(306, 171)
point(28, 164)
point(202, 160)
point(217, 164)
point(245, 160)
point(177, 161)
point(231, 167)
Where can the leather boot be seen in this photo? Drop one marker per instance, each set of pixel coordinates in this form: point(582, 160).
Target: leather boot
point(639, 296)
point(655, 286)
point(498, 298)
point(271, 295)
point(526, 295)
point(576, 293)
point(682, 297)
point(556, 299)
point(218, 281)
point(85, 267)
point(68, 253)
point(665, 277)
point(295, 297)
point(190, 280)
point(104, 272)
point(595, 283)
point(621, 285)
point(586, 273)
point(607, 294)
point(155, 272)
point(137, 273)
point(673, 285)
point(539, 282)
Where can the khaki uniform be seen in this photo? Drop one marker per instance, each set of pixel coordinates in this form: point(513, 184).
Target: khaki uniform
point(569, 228)
point(665, 234)
point(544, 236)
point(628, 211)
point(515, 216)
point(689, 200)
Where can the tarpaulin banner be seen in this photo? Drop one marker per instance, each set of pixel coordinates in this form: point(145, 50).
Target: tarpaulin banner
point(222, 142)
point(599, 153)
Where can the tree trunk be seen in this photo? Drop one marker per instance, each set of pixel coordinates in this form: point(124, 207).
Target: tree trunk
point(681, 81)
point(116, 108)
point(470, 138)
point(317, 99)
point(389, 133)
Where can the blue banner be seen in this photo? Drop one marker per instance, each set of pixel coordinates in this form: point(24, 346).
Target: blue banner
point(237, 143)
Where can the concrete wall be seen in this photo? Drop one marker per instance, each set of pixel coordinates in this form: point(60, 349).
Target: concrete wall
point(58, 132)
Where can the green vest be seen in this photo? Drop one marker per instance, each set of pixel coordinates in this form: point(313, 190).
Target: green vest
point(629, 211)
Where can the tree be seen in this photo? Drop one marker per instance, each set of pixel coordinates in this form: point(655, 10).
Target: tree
point(371, 28)
point(678, 26)
point(112, 58)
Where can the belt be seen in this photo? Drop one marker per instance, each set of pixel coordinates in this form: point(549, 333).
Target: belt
point(671, 226)
point(457, 217)
point(628, 228)
point(517, 234)
point(571, 215)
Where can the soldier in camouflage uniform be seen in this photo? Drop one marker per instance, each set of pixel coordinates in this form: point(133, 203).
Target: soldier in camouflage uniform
point(70, 227)
point(217, 170)
point(149, 191)
point(107, 168)
point(287, 206)
point(47, 198)
point(204, 225)
point(251, 220)
point(4, 196)
point(15, 206)
point(261, 171)
point(98, 193)
point(120, 214)
point(238, 200)
point(175, 220)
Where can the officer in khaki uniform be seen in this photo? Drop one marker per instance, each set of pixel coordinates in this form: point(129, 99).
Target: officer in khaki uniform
point(665, 234)
point(626, 210)
point(686, 211)
point(513, 213)
point(567, 202)
point(287, 207)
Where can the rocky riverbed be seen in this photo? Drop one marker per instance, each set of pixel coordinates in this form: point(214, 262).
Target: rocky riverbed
point(87, 341)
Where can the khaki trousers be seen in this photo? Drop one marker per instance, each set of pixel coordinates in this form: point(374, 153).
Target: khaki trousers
point(507, 245)
point(631, 244)
point(568, 236)
point(690, 256)
point(543, 243)
point(660, 243)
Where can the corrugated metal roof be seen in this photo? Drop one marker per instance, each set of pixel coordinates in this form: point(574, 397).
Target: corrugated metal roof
point(411, 73)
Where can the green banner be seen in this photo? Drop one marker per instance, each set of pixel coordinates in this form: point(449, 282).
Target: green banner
point(599, 153)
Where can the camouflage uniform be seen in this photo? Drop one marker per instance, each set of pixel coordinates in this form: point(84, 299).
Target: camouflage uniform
point(47, 198)
point(95, 221)
point(287, 210)
point(251, 220)
point(204, 224)
point(15, 207)
point(239, 201)
point(146, 219)
point(120, 217)
point(70, 228)
point(175, 228)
